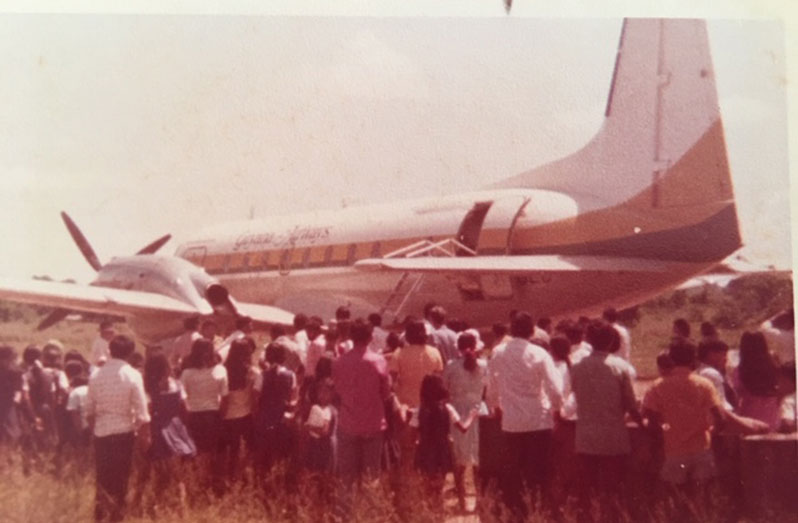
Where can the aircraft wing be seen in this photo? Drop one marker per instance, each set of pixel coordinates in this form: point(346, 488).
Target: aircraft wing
point(88, 298)
point(512, 264)
point(265, 314)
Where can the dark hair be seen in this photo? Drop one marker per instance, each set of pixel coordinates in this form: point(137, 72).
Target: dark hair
point(243, 322)
point(106, 324)
point(602, 336)
point(201, 355)
point(467, 344)
point(393, 342)
point(664, 361)
point(682, 352)
point(277, 330)
point(136, 360)
point(708, 331)
point(705, 347)
point(31, 354)
point(610, 315)
point(432, 390)
point(300, 321)
point(73, 369)
point(323, 368)
point(156, 369)
point(375, 319)
point(191, 323)
point(544, 322)
point(681, 327)
point(428, 307)
point(343, 313)
point(313, 327)
point(73, 355)
point(757, 369)
point(416, 333)
point(437, 315)
point(238, 363)
point(522, 325)
point(275, 353)
point(51, 356)
point(561, 349)
point(121, 347)
point(360, 331)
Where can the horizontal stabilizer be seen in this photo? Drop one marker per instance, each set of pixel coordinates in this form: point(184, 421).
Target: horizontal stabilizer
point(513, 264)
point(87, 298)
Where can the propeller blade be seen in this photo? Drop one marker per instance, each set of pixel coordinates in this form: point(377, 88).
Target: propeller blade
point(82, 242)
point(154, 246)
point(53, 318)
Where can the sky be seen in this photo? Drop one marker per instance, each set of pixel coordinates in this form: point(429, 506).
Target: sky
point(143, 124)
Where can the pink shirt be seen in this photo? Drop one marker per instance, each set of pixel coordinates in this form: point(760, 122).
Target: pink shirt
point(362, 383)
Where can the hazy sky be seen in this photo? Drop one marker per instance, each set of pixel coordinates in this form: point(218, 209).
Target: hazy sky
point(142, 125)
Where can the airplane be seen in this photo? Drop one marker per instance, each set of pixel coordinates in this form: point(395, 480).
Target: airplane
point(646, 204)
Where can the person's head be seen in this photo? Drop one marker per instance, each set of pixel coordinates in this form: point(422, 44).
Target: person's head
point(191, 324)
point(428, 308)
point(52, 354)
point(713, 353)
point(31, 354)
point(275, 353)
point(107, 331)
point(681, 328)
point(708, 332)
point(343, 313)
point(136, 360)
point(73, 355)
point(682, 353)
point(276, 331)
point(393, 342)
point(610, 315)
point(238, 363)
point(121, 347)
point(544, 323)
point(602, 336)
point(313, 327)
point(323, 368)
point(375, 319)
point(75, 373)
point(7, 356)
point(664, 363)
point(416, 333)
point(244, 324)
point(757, 368)
point(361, 331)
point(324, 392)
point(560, 349)
point(209, 329)
point(437, 315)
point(467, 345)
point(300, 321)
point(433, 390)
point(572, 330)
point(522, 326)
point(156, 373)
point(201, 355)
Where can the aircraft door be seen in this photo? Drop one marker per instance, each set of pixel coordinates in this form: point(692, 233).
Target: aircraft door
point(471, 227)
point(499, 223)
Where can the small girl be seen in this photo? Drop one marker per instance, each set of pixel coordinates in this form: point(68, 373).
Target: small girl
point(320, 425)
point(434, 452)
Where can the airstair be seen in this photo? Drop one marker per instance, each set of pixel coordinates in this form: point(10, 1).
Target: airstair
point(410, 282)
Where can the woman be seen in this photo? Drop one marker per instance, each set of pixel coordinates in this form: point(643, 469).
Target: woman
point(205, 384)
point(756, 381)
point(239, 404)
point(465, 378)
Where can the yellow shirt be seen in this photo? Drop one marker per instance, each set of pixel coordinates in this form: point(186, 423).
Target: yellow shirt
point(411, 364)
point(684, 402)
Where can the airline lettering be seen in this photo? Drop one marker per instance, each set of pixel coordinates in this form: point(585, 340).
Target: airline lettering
point(280, 240)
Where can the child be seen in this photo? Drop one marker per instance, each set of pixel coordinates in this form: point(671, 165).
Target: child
point(434, 452)
point(78, 434)
point(320, 425)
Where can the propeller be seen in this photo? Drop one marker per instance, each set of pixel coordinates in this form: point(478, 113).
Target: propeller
point(154, 246)
point(53, 318)
point(82, 242)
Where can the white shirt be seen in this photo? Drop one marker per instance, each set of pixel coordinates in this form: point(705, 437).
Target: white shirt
point(78, 401)
point(780, 342)
point(568, 409)
point(315, 352)
point(303, 342)
point(181, 345)
point(319, 417)
point(625, 351)
point(116, 399)
point(712, 374)
point(580, 352)
point(541, 334)
point(528, 386)
point(379, 340)
point(100, 353)
point(224, 349)
point(204, 388)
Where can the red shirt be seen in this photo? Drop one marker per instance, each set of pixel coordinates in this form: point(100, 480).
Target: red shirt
point(362, 383)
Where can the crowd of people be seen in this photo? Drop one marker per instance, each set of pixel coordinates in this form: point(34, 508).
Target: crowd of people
point(543, 408)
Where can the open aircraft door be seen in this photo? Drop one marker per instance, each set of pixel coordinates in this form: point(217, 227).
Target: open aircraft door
point(492, 225)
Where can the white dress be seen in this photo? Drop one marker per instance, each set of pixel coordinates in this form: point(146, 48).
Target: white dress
point(465, 393)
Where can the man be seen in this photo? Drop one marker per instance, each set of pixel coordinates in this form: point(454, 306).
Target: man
point(181, 345)
point(243, 329)
point(117, 408)
point(99, 347)
point(379, 336)
point(442, 337)
point(412, 362)
point(362, 383)
point(316, 347)
point(300, 336)
point(526, 391)
point(602, 385)
point(712, 358)
point(210, 332)
point(610, 315)
point(779, 332)
point(688, 405)
point(580, 348)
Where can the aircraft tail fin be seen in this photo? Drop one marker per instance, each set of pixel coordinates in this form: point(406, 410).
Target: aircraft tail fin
point(659, 160)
